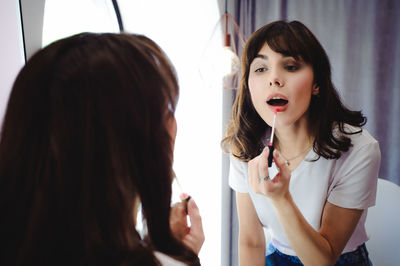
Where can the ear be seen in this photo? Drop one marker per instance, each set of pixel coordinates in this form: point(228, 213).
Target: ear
point(315, 89)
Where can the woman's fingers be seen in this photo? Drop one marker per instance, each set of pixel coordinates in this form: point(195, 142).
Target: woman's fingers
point(195, 237)
point(263, 164)
point(281, 164)
point(178, 220)
point(259, 179)
point(258, 172)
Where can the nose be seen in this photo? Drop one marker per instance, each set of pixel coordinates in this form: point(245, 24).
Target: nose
point(276, 82)
point(275, 79)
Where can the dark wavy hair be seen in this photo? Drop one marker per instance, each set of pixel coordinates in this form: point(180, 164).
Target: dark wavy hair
point(326, 111)
point(84, 135)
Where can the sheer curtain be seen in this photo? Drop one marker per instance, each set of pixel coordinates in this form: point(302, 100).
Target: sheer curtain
point(362, 40)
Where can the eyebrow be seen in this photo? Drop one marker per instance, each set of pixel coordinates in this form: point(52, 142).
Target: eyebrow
point(261, 56)
point(266, 57)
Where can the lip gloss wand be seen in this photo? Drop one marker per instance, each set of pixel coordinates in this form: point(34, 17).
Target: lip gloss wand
point(270, 146)
point(184, 197)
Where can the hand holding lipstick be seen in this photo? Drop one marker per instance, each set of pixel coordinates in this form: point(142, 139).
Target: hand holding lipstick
point(192, 236)
point(275, 188)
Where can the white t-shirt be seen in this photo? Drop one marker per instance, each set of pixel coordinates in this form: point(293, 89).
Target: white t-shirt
point(167, 260)
point(348, 182)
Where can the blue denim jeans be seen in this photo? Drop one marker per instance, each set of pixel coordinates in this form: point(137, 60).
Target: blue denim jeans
point(358, 257)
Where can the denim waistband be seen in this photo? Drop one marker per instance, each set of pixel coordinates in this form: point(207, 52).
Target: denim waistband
point(360, 255)
point(357, 256)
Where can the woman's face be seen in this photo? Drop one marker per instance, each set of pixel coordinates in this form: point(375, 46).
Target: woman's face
point(171, 127)
point(279, 81)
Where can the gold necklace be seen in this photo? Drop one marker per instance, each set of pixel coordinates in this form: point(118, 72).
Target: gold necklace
point(287, 161)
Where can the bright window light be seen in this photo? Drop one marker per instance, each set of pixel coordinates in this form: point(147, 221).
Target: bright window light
point(183, 29)
point(66, 18)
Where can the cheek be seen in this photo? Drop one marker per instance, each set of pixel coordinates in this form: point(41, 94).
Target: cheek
point(172, 129)
point(303, 89)
point(258, 95)
point(254, 90)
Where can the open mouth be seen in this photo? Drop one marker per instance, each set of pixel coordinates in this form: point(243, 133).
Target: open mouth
point(276, 101)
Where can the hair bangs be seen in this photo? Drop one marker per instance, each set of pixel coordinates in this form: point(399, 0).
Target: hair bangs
point(282, 38)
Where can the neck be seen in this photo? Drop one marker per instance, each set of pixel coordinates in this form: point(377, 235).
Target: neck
point(293, 139)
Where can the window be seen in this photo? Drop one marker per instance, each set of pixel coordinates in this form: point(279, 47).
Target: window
point(65, 18)
point(183, 29)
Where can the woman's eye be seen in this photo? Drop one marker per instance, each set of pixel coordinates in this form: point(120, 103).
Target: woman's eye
point(291, 67)
point(260, 69)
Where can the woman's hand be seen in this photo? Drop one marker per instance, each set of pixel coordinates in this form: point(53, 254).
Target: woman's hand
point(276, 188)
point(193, 236)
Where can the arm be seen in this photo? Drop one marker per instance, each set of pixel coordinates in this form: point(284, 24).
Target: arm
point(321, 247)
point(251, 233)
point(312, 247)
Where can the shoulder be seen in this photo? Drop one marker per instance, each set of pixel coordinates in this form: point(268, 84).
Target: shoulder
point(167, 260)
point(238, 177)
point(364, 147)
point(356, 172)
point(360, 139)
point(237, 163)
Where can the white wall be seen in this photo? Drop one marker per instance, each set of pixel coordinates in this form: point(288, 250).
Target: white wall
point(11, 49)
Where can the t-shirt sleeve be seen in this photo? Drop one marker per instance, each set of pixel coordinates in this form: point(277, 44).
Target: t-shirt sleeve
point(238, 175)
point(354, 185)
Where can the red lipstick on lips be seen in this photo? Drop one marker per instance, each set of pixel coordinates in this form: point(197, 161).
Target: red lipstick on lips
point(277, 101)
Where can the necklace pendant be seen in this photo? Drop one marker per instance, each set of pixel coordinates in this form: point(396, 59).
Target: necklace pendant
point(287, 163)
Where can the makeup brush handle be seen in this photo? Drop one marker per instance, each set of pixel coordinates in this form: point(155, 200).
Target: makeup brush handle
point(271, 151)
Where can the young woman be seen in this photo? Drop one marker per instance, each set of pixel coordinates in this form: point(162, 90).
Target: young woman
point(88, 135)
point(314, 198)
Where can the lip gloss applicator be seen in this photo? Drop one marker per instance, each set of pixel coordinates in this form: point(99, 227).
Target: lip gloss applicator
point(184, 197)
point(270, 146)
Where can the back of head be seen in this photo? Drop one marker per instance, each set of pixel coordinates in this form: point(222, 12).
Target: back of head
point(84, 135)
